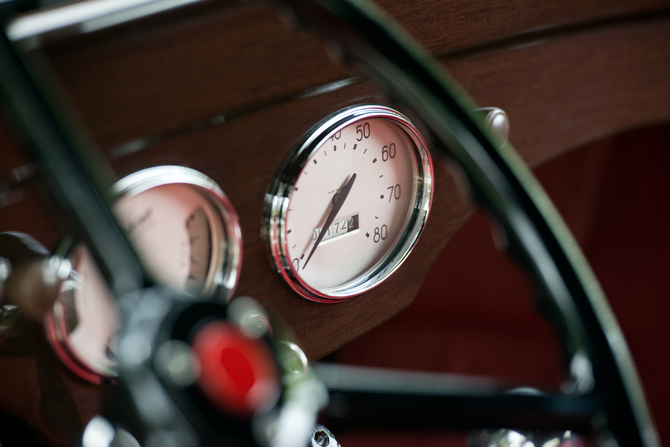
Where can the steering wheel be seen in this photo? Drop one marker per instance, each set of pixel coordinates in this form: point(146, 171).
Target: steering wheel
point(602, 377)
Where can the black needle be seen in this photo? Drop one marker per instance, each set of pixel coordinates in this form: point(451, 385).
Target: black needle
point(337, 205)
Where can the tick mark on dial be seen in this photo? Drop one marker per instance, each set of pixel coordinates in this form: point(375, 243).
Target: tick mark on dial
point(379, 176)
point(345, 146)
point(314, 161)
point(374, 161)
point(382, 196)
point(367, 234)
point(288, 231)
point(376, 217)
point(303, 255)
point(365, 150)
point(294, 246)
point(355, 146)
point(335, 148)
point(325, 154)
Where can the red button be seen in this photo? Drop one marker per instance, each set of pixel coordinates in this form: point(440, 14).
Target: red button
point(237, 373)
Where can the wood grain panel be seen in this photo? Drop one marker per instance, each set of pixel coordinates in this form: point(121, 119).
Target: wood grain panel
point(559, 93)
point(29, 211)
point(555, 92)
point(446, 26)
point(23, 204)
point(148, 84)
point(568, 91)
point(159, 80)
point(12, 157)
point(556, 95)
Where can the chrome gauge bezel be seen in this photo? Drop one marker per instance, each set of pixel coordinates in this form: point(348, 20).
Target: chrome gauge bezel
point(278, 196)
point(221, 280)
point(225, 269)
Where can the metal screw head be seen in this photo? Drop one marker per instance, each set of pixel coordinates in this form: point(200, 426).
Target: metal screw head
point(496, 119)
point(322, 437)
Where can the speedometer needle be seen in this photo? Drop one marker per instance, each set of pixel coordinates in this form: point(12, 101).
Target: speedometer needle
point(337, 205)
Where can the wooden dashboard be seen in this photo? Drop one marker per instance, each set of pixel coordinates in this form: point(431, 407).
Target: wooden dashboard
point(228, 88)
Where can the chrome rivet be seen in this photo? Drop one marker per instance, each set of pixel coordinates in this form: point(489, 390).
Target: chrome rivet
point(497, 120)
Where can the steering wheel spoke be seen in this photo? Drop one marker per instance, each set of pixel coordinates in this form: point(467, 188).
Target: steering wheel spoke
point(389, 399)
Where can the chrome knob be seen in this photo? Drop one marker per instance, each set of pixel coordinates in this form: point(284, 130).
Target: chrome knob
point(497, 120)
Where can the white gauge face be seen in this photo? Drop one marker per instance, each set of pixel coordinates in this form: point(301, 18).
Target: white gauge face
point(379, 171)
point(189, 239)
point(356, 205)
point(173, 228)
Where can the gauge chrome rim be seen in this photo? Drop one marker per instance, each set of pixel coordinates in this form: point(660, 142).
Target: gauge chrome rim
point(278, 199)
point(219, 285)
point(225, 267)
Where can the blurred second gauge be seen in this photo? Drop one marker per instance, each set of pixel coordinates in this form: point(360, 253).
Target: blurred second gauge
point(188, 236)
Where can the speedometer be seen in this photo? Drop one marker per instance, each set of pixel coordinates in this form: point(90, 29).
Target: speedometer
point(349, 203)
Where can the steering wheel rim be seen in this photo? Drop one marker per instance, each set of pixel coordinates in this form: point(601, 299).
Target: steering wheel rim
point(507, 190)
point(569, 293)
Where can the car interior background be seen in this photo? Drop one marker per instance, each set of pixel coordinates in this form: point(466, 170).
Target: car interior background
point(229, 88)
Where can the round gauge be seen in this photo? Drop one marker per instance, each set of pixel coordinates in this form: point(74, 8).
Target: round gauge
point(84, 320)
point(184, 229)
point(349, 203)
point(187, 234)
